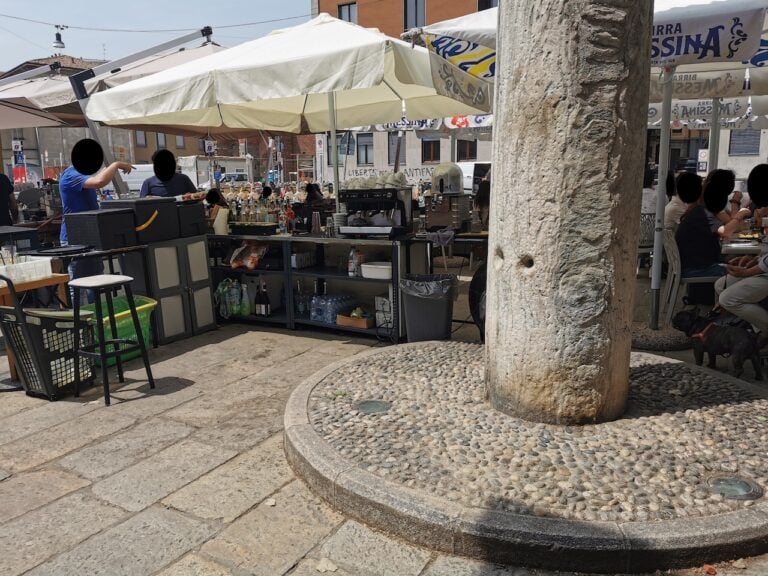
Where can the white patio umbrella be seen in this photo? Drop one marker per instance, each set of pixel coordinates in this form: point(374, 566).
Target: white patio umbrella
point(314, 77)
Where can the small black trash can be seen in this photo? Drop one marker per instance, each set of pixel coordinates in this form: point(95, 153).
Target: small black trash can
point(428, 302)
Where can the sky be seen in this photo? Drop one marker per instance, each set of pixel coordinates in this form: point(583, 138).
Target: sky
point(20, 40)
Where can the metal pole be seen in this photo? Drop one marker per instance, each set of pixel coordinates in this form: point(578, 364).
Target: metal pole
point(453, 145)
point(334, 146)
point(81, 93)
point(661, 196)
point(31, 74)
point(714, 135)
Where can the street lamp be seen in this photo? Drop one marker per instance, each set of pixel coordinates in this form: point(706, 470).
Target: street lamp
point(58, 43)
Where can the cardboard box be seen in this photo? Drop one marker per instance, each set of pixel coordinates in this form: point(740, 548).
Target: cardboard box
point(343, 320)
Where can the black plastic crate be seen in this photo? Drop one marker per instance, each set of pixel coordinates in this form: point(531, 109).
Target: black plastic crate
point(42, 344)
point(192, 221)
point(102, 229)
point(157, 219)
point(23, 238)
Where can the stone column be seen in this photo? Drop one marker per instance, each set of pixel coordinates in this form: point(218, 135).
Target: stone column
point(571, 104)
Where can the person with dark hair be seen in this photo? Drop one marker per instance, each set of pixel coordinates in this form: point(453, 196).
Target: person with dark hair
point(215, 200)
point(687, 192)
point(77, 187)
point(9, 210)
point(266, 192)
point(167, 183)
point(724, 181)
point(313, 194)
point(746, 285)
point(698, 235)
point(79, 182)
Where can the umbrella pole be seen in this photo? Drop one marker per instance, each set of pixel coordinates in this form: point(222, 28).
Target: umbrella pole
point(714, 135)
point(661, 196)
point(334, 146)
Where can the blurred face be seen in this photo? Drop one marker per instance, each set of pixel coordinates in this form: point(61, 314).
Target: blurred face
point(87, 156)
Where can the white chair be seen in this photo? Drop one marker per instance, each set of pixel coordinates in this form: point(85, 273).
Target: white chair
point(674, 276)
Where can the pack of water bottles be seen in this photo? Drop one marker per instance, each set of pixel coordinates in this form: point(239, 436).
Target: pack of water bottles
point(325, 308)
point(232, 299)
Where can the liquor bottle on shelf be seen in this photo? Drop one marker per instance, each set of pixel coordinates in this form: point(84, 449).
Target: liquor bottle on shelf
point(258, 303)
point(267, 306)
point(300, 309)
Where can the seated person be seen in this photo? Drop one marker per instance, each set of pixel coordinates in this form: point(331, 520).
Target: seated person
point(167, 183)
point(699, 232)
point(724, 181)
point(746, 285)
point(676, 206)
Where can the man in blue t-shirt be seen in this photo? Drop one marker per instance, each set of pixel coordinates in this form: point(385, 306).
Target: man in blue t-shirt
point(167, 183)
point(77, 187)
point(79, 182)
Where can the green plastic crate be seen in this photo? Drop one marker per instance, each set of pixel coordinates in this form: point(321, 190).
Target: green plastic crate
point(124, 322)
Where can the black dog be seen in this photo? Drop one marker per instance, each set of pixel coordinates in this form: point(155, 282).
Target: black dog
point(716, 336)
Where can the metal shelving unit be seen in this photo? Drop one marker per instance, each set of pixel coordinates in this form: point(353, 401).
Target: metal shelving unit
point(396, 248)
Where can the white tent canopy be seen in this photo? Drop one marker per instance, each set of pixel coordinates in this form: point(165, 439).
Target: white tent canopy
point(18, 114)
point(281, 82)
point(55, 91)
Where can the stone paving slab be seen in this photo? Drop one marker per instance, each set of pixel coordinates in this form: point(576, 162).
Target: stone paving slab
point(236, 486)
point(141, 545)
point(24, 492)
point(195, 565)
point(142, 402)
point(359, 549)
point(270, 540)
point(14, 402)
point(105, 458)
point(309, 567)
point(31, 539)
point(156, 477)
point(44, 415)
point(59, 440)
point(255, 421)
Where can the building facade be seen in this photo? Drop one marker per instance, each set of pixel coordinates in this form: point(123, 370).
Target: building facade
point(373, 151)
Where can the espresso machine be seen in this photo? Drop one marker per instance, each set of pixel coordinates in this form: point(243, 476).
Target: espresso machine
point(377, 212)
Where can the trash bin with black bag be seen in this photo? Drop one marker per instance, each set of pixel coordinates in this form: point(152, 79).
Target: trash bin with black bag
point(428, 302)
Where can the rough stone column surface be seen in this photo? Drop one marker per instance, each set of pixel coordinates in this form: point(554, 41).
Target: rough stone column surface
point(570, 114)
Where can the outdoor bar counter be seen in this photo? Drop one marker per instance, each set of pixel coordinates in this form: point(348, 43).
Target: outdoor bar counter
point(297, 268)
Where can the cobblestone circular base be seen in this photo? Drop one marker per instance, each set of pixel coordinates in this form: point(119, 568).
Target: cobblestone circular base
point(661, 340)
point(443, 469)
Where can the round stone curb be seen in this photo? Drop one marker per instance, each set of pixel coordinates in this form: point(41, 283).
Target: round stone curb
point(662, 340)
point(502, 536)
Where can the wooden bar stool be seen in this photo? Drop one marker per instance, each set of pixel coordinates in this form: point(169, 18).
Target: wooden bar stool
point(105, 284)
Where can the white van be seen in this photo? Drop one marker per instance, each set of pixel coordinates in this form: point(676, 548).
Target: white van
point(473, 172)
point(136, 178)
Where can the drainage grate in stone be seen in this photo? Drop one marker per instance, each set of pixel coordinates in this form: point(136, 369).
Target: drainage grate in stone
point(372, 406)
point(735, 488)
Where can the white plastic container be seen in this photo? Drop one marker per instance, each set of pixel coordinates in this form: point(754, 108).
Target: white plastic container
point(377, 270)
point(33, 268)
